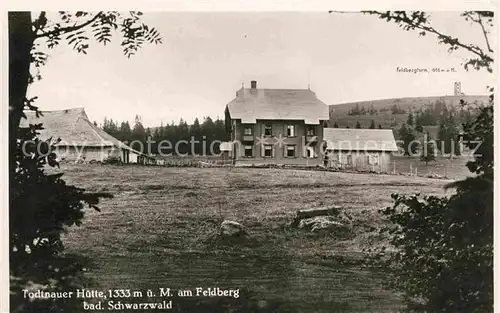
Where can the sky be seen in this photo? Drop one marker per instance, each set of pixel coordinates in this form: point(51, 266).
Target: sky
point(205, 58)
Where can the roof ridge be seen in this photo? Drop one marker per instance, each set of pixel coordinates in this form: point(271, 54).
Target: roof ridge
point(283, 89)
point(364, 139)
point(118, 142)
point(360, 129)
point(278, 104)
point(60, 110)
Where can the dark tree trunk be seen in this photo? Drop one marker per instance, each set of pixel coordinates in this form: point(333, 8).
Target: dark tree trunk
point(20, 43)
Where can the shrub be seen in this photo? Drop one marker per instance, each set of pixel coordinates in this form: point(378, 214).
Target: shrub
point(41, 208)
point(443, 247)
point(114, 160)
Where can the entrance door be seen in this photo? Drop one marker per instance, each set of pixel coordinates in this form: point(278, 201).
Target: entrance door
point(125, 156)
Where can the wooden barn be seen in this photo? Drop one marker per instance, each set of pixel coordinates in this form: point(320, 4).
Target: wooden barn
point(81, 140)
point(359, 149)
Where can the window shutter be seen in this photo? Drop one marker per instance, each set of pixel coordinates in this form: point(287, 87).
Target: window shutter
point(262, 150)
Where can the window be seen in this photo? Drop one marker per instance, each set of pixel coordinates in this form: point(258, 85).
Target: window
point(310, 152)
point(248, 151)
point(290, 151)
point(311, 131)
point(349, 159)
point(290, 130)
point(267, 130)
point(373, 159)
point(247, 131)
point(346, 159)
point(268, 151)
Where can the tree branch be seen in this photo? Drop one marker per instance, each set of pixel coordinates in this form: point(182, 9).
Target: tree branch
point(485, 33)
point(40, 22)
point(485, 36)
point(68, 29)
point(454, 41)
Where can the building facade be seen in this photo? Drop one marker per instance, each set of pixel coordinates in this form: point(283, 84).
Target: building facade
point(375, 161)
point(359, 149)
point(276, 126)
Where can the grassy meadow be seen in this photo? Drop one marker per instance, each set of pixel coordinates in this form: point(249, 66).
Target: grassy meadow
point(160, 230)
point(442, 166)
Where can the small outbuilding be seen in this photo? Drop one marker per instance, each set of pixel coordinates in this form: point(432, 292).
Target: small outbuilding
point(359, 149)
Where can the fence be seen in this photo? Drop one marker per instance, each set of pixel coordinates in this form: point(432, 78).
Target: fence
point(193, 162)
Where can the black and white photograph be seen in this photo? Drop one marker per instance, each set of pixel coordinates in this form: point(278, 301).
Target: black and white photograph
point(286, 160)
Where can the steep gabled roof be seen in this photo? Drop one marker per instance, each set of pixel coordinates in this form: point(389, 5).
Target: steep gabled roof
point(277, 104)
point(359, 139)
point(73, 127)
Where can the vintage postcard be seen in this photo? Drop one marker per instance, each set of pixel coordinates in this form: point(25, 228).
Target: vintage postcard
point(285, 160)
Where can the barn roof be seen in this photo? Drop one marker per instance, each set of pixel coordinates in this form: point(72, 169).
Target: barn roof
point(277, 104)
point(359, 139)
point(73, 127)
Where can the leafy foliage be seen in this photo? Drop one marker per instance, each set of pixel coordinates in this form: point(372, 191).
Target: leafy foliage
point(211, 132)
point(410, 119)
point(441, 249)
point(481, 131)
point(418, 124)
point(362, 111)
point(78, 28)
point(421, 21)
point(42, 206)
point(395, 109)
point(443, 259)
point(113, 160)
point(428, 152)
point(408, 137)
point(448, 135)
point(449, 241)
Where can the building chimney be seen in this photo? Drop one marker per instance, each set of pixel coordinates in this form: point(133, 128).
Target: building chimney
point(253, 84)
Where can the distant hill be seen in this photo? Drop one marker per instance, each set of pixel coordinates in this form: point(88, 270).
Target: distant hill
point(384, 116)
